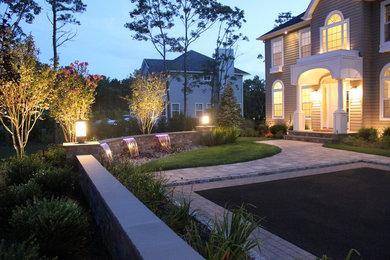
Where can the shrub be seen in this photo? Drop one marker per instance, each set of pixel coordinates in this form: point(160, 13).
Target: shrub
point(19, 251)
point(368, 134)
point(59, 227)
point(250, 133)
point(269, 135)
point(56, 182)
point(279, 135)
point(56, 156)
point(146, 186)
point(385, 143)
point(178, 217)
point(386, 132)
point(228, 239)
point(228, 110)
point(162, 125)
point(263, 129)
point(23, 193)
point(219, 136)
point(20, 170)
point(232, 134)
point(277, 128)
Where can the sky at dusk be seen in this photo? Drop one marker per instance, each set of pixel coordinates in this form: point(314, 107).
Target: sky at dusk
point(107, 46)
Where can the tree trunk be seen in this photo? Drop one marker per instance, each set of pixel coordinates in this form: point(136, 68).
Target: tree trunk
point(55, 55)
point(168, 110)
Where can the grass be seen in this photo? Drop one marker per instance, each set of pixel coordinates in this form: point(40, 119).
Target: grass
point(376, 151)
point(8, 151)
point(243, 150)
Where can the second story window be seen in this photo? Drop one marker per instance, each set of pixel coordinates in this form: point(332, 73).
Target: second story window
point(335, 33)
point(385, 26)
point(277, 54)
point(207, 78)
point(305, 43)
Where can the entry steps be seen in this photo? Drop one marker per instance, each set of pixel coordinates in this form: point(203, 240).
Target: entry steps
point(315, 137)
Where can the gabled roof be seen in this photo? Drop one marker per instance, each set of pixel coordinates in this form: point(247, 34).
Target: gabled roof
point(294, 23)
point(310, 9)
point(196, 62)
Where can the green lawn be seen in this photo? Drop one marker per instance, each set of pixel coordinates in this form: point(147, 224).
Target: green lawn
point(8, 151)
point(376, 151)
point(244, 150)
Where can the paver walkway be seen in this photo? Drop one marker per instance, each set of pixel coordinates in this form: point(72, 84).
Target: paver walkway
point(294, 156)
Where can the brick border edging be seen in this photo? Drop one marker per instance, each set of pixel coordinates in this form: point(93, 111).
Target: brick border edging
point(130, 230)
point(264, 173)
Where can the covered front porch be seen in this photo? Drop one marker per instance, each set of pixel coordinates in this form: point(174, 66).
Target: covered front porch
point(329, 93)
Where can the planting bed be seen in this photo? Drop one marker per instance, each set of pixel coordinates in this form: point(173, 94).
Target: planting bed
point(323, 214)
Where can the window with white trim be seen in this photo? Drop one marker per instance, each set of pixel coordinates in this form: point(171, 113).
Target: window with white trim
point(385, 26)
point(335, 33)
point(277, 54)
point(207, 78)
point(305, 43)
point(198, 110)
point(175, 109)
point(277, 99)
point(208, 107)
point(306, 101)
point(385, 93)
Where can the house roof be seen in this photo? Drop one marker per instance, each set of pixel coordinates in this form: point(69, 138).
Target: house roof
point(295, 22)
point(196, 62)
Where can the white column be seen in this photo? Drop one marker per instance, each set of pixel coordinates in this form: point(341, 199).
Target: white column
point(340, 117)
point(299, 115)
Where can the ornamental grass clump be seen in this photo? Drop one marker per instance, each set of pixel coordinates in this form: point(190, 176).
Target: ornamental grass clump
point(19, 251)
point(231, 238)
point(57, 226)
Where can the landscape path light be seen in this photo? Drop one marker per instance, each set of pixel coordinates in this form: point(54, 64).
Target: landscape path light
point(81, 131)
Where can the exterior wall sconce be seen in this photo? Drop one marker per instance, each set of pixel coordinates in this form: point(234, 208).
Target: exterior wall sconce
point(81, 131)
point(356, 93)
point(316, 95)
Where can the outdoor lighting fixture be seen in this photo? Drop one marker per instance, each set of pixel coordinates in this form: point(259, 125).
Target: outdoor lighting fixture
point(355, 93)
point(81, 130)
point(205, 120)
point(316, 95)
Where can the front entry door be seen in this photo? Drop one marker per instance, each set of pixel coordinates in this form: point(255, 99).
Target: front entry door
point(329, 104)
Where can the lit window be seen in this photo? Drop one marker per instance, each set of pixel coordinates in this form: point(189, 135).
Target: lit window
point(175, 109)
point(277, 52)
point(305, 43)
point(385, 26)
point(198, 110)
point(277, 99)
point(306, 101)
point(335, 33)
point(385, 94)
point(207, 78)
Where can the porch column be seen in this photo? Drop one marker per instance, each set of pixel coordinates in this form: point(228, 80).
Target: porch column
point(299, 115)
point(340, 117)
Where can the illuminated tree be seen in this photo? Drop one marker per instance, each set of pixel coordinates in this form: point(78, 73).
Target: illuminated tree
point(24, 97)
point(148, 100)
point(74, 95)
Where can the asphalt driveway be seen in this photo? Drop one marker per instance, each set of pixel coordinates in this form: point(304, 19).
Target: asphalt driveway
point(323, 214)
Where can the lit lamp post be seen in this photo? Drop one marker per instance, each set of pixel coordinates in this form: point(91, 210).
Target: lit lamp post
point(205, 120)
point(81, 131)
point(205, 125)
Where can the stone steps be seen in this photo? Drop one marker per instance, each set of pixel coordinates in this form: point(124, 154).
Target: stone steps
point(312, 139)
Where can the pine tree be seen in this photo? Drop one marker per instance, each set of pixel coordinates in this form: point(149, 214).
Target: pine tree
point(229, 111)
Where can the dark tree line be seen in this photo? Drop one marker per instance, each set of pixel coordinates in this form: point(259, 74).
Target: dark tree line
point(254, 99)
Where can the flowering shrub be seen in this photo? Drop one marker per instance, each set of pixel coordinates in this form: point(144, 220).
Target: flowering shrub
point(269, 135)
point(74, 95)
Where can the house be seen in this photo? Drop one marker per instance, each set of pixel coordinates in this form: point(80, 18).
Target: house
point(328, 69)
point(199, 81)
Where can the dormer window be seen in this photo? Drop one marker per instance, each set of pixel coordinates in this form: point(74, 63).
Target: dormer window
point(335, 33)
point(277, 55)
point(385, 26)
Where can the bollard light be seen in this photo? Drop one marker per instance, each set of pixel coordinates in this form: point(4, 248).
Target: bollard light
point(205, 120)
point(81, 130)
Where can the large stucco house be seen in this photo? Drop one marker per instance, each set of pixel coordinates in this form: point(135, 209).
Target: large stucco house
point(199, 79)
point(329, 68)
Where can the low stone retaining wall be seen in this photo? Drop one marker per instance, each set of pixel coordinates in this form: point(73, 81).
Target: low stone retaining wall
point(130, 229)
point(146, 143)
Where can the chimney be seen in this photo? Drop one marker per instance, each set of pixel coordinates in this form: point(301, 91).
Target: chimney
point(226, 66)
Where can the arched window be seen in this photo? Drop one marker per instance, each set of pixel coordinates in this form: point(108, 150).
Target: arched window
point(384, 102)
point(335, 33)
point(278, 100)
